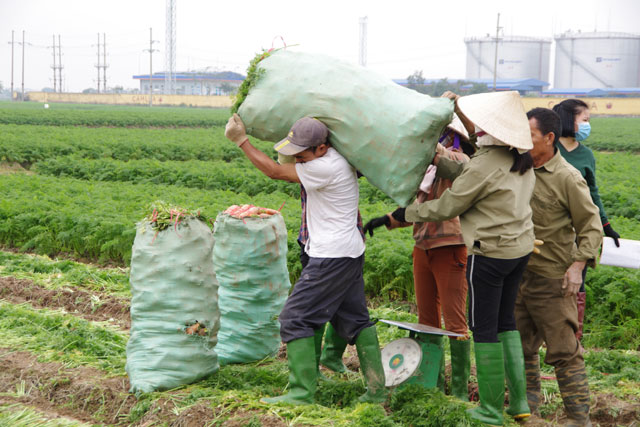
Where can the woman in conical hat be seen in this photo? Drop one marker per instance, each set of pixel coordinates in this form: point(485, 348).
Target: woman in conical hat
point(491, 195)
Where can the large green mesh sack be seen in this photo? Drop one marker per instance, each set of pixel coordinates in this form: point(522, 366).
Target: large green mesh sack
point(250, 259)
point(384, 130)
point(173, 286)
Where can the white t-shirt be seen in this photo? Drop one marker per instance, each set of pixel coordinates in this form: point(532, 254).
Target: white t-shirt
point(332, 207)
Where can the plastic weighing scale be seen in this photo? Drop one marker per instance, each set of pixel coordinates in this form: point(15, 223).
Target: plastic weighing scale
point(413, 360)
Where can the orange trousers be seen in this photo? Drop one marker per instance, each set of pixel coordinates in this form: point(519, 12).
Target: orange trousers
point(441, 287)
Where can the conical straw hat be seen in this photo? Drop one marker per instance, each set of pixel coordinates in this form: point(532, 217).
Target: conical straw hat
point(457, 126)
point(501, 115)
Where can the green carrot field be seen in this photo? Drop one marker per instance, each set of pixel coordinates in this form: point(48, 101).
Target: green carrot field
point(75, 180)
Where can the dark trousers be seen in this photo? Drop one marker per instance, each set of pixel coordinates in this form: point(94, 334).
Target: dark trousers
point(493, 288)
point(329, 290)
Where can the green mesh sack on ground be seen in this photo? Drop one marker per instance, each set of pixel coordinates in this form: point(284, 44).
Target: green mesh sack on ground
point(384, 130)
point(174, 306)
point(250, 259)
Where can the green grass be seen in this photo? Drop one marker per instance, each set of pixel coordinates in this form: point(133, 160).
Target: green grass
point(60, 273)
point(55, 336)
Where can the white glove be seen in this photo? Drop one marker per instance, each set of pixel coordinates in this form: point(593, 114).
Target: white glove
point(235, 131)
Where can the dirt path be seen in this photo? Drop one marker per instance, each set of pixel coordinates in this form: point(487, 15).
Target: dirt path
point(80, 393)
point(85, 394)
point(93, 306)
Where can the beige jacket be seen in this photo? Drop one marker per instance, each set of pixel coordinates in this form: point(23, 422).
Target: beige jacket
point(492, 202)
point(563, 210)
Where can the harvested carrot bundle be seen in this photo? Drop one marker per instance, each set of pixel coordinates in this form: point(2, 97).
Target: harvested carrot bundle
point(249, 211)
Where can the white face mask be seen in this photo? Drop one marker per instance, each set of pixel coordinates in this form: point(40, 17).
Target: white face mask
point(486, 140)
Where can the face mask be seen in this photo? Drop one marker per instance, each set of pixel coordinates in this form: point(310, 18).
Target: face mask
point(584, 129)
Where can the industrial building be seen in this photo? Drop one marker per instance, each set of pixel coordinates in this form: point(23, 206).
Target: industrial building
point(518, 58)
point(194, 83)
point(586, 63)
point(597, 60)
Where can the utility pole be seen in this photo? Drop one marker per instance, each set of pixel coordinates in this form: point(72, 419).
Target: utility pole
point(495, 59)
point(59, 64)
point(12, 43)
point(98, 66)
point(23, 65)
point(104, 62)
point(55, 82)
point(151, 50)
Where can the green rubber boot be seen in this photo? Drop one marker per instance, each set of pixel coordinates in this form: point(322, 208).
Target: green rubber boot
point(303, 377)
point(515, 375)
point(430, 372)
point(317, 339)
point(439, 341)
point(490, 373)
point(371, 366)
point(334, 346)
point(460, 368)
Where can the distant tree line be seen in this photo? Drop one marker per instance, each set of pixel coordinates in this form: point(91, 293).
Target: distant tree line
point(416, 81)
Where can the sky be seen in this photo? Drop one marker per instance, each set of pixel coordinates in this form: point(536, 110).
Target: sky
point(403, 36)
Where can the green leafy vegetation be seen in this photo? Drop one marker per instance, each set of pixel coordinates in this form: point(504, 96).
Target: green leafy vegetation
point(253, 75)
point(19, 416)
point(93, 184)
point(58, 273)
point(32, 113)
point(31, 144)
point(56, 336)
point(96, 221)
point(614, 134)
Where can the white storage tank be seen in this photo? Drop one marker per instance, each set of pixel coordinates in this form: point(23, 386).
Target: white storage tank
point(518, 57)
point(597, 60)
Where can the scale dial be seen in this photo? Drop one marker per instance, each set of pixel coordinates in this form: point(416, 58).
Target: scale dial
point(400, 359)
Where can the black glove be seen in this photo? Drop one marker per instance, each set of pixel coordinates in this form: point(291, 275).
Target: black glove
point(375, 223)
point(398, 214)
point(610, 232)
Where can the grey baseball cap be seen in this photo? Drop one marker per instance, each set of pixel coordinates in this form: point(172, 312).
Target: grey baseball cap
point(305, 133)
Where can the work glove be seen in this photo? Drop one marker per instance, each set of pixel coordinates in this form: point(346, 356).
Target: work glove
point(375, 223)
point(537, 243)
point(610, 232)
point(235, 131)
point(398, 215)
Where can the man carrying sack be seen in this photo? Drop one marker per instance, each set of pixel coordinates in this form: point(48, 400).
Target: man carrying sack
point(331, 285)
point(545, 308)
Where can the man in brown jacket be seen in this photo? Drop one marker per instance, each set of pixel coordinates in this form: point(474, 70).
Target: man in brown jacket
point(545, 308)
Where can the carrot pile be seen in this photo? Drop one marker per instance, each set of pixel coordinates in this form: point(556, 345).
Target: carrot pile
point(249, 211)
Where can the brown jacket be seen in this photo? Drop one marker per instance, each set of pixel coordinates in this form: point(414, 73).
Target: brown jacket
point(430, 235)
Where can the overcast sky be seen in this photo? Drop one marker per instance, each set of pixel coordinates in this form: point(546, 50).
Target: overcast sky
point(403, 36)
